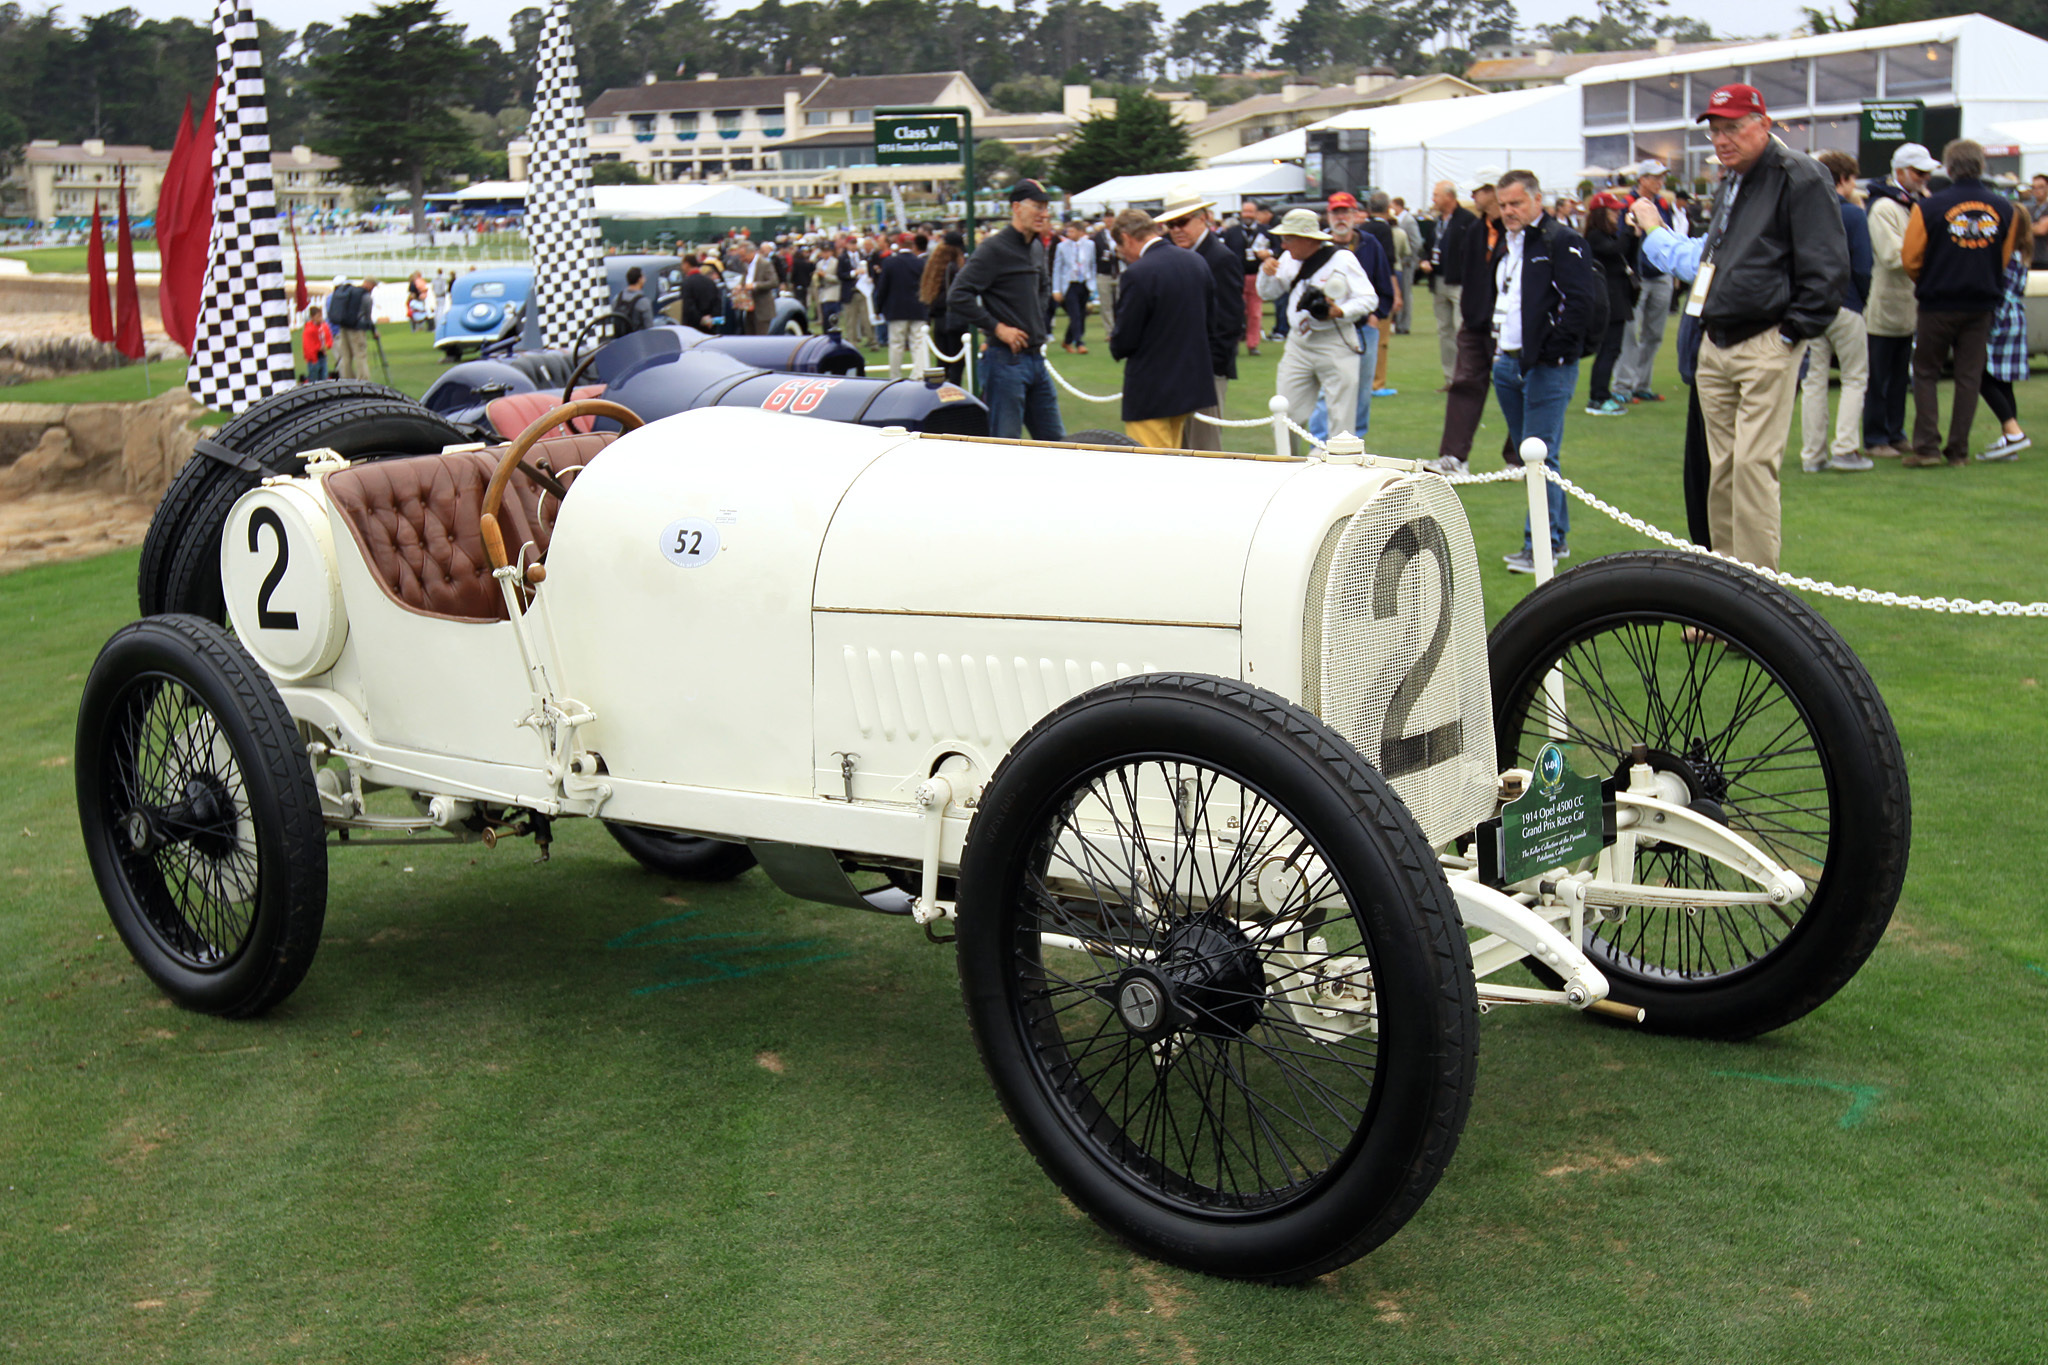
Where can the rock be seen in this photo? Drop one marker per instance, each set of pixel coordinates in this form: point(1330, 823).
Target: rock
point(158, 442)
point(53, 462)
point(99, 429)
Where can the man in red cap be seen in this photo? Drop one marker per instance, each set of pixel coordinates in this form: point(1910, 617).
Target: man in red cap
point(1770, 275)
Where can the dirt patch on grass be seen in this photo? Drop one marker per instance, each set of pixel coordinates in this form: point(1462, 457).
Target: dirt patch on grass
point(1607, 1161)
point(44, 528)
point(1917, 938)
point(770, 1061)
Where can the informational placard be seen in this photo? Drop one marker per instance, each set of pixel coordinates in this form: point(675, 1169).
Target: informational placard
point(919, 139)
point(1893, 121)
point(1558, 819)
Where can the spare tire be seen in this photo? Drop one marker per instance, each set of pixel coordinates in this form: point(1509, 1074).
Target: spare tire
point(181, 554)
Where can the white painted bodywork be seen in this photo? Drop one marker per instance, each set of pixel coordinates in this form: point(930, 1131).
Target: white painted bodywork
point(861, 609)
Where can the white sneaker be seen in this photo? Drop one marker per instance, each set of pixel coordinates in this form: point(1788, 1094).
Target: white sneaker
point(1813, 466)
point(1851, 463)
point(1524, 561)
point(2006, 447)
point(1451, 464)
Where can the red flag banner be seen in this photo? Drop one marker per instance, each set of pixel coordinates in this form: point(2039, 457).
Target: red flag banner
point(96, 275)
point(301, 296)
point(184, 216)
point(127, 299)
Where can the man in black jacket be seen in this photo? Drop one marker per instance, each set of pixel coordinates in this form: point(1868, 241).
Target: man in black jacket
point(1544, 308)
point(1771, 274)
point(1251, 234)
point(1163, 339)
point(1188, 219)
point(897, 303)
point(1444, 267)
point(700, 307)
point(1005, 290)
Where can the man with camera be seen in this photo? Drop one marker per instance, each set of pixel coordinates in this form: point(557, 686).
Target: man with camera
point(1324, 293)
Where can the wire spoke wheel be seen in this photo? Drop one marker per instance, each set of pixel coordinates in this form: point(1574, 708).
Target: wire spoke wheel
point(1172, 1033)
point(1754, 713)
point(200, 817)
point(1215, 974)
point(188, 838)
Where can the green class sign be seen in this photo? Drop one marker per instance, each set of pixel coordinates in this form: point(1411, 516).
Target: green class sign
point(1892, 121)
point(918, 140)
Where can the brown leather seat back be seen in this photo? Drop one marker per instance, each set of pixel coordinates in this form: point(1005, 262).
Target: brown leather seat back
point(515, 412)
point(415, 520)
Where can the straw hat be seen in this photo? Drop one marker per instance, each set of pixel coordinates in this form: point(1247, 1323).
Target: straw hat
point(1183, 201)
point(1303, 223)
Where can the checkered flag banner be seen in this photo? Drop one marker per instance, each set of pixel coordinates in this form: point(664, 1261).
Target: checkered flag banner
point(561, 229)
point(242, 352)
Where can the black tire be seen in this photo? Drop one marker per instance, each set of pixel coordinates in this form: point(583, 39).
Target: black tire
point(1060, 1027)
point(181, 554)
point(201, 821)
point(683, 856)
point(1098, 437)
point(238, 433)
point(1773, 726)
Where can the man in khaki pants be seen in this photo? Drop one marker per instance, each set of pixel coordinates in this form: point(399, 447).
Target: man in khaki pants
point(1770, 275)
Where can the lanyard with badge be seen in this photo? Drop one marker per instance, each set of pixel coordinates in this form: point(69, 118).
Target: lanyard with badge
point(1505, 274)
point(1704, 279)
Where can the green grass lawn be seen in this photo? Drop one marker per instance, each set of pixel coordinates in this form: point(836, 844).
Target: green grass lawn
point(63, 260)
point(578, 1113)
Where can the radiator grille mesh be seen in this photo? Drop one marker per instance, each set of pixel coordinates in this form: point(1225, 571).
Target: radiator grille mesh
point(1397, 662)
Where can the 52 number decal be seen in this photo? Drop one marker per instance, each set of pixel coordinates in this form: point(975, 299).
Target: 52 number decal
point(266, 619)
point(689, 542)
point(1401, 752)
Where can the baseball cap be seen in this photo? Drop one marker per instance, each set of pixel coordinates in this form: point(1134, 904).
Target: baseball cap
point(1028, 189)
point(1651, 167)
point(1912, 156)
point(1733, 101)
point(1343, 199)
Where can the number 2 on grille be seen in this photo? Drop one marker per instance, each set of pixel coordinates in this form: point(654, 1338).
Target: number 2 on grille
point(1401, 752)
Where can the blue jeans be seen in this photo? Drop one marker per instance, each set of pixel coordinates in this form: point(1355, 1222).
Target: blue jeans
point(1368, 358)
point(1018, 392)
point(1534, 404)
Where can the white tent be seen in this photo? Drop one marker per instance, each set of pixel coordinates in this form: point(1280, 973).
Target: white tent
point(1464, 141)
point(681, 199)
point(1225, 184)
point(2030, 135)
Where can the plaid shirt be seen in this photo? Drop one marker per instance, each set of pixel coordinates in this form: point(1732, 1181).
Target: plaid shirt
point(2007, 357)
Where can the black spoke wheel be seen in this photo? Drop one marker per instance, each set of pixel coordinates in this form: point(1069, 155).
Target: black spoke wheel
point(687, 857)
point(1756, 713)
point(200, 817)
point(1217, 978)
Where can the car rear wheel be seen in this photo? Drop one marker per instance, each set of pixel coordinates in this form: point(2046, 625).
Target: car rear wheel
point(181, 554)
point(200, 817)
point(1217, 978)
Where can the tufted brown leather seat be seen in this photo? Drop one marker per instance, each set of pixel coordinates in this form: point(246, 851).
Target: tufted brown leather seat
point(415, 521)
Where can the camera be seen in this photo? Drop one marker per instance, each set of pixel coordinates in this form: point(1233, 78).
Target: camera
point(1314, 302)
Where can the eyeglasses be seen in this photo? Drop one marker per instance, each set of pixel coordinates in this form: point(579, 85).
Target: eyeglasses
point(1727, 130)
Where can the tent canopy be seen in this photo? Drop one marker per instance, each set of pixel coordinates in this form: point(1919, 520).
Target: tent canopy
point(1224, 184)
point(681, 199)
point(1464, 141)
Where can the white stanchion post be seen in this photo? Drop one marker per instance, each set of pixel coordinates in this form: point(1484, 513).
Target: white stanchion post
point(1538, 488)
point(1283, 444)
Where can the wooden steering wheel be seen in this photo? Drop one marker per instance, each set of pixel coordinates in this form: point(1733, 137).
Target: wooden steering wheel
point(515, 457)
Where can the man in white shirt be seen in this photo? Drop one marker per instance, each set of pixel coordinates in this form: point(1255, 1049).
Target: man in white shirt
point(1325, 293)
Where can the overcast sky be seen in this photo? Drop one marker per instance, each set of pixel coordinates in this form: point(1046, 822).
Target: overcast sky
point(1736, 18)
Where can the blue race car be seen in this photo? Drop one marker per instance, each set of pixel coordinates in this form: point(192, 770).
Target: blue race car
point(479, 305)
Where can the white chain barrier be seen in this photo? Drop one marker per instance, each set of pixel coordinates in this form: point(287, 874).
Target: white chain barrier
point(1958, 606)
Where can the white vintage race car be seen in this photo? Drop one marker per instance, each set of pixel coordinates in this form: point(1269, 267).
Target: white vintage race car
point(1238, 812)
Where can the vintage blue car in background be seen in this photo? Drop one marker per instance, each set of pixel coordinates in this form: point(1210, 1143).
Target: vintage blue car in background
point(479, 305)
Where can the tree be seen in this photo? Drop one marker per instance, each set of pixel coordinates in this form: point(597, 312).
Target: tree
point(1027, 95)
point(1141, 137)
point(386, 93)
point(1222, 36)
point(1624, 26)
point(615, 173)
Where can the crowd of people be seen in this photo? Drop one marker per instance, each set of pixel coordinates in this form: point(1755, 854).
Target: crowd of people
point(1791, 270)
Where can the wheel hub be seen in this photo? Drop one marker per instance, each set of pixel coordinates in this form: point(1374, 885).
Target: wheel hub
point(1706, 786)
